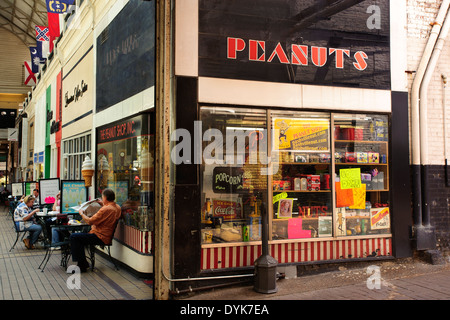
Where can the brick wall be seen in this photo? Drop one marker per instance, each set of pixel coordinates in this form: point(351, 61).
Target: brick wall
point(439, 204)
point(420, 15)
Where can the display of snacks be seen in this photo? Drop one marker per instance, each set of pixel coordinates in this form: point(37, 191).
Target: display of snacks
point(282, 185)
point(361, 157)
point(374, 157)
point(350, 157)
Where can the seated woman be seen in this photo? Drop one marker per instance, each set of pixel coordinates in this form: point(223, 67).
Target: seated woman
point(24, 219)
point(102, 228)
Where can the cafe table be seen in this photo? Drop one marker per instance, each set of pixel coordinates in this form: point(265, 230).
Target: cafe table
point(43, 217)
point(65, 243)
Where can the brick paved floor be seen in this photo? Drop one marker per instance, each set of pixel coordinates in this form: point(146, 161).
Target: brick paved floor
point(20, 278)
point(401, 279)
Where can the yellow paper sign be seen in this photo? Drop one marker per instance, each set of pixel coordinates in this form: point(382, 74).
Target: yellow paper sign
point(350, 178)
point(280, 196)
point(359, 197)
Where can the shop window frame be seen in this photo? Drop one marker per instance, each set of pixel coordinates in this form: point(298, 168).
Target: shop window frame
point(269, 193)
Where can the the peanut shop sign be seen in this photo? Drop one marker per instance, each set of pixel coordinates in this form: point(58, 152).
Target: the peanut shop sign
point(338, 43)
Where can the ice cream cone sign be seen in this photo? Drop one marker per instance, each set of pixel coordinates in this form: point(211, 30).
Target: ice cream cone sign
point(87, 170)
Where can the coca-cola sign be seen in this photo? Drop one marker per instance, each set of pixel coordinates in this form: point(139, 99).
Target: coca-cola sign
point(227, 209)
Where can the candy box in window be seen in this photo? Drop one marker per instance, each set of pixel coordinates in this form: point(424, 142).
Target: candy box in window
point(350, 157)
point(313, 182)
point(374, 157)
point(339, 157)
point(324, 158)
point(362, 157)
point(281, 185)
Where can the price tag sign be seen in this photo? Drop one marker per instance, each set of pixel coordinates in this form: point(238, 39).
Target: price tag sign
point(350, 178)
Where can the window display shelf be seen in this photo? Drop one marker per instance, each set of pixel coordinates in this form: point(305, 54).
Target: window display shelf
point(303, 163)
point(361, 141)
point(360, 164)
point(305, 191)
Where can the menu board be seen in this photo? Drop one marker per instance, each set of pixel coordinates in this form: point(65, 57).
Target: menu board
point(73, 193)
point(48, 189)
point(305, 135)
point(17, 189)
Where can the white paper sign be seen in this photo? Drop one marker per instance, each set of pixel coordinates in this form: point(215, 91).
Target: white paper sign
point(48, 189)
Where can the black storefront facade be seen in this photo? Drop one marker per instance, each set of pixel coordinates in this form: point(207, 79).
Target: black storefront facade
point(310, 92)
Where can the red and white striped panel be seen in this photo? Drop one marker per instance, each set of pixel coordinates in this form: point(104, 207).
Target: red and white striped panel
point(134, 238)
point(244, 256)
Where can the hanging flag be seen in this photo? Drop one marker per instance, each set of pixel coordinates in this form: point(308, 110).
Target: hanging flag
point(35, 59)
point(42, 42)
point(53, 25)
point(58, 7)
point(43, 50)
point(42, 33)
point(30, 78)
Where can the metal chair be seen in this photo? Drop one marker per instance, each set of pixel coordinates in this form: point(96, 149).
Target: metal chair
point(18, 232)
point(65, 253)
point(108, 249)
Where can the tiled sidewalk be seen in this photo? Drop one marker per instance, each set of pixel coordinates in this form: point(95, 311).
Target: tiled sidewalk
point(20, 278)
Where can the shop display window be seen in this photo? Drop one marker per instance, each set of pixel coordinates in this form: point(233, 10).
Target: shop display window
point(125, 164)
point(234, 185)
point(328, 175)
point(361, 175)
point(301, 181)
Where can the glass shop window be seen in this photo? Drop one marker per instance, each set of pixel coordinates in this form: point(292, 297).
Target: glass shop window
point(301, 180)
point(362, 174)
point(233, 174)
point(125, 164)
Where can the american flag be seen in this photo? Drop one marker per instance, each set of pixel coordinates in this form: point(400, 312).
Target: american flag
point(42, 33)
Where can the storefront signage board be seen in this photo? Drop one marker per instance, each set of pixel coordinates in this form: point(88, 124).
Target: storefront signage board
point(123, 130)
point(296, 41)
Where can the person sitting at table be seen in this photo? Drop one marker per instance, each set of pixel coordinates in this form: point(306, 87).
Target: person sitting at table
point(57, 204)
point(55, 231)
point(36, 195)
point(102, 228)
point(24, 219)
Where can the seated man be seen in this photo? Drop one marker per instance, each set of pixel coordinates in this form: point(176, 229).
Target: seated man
point(24, 219)
point(102, 228)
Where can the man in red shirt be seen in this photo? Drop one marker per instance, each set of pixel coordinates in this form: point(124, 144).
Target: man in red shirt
point(102, 228)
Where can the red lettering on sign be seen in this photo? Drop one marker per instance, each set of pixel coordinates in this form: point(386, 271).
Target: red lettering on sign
point(299, 55)
point(235, 45)
point(253, 49)
point(360, 58)
point(279, 52)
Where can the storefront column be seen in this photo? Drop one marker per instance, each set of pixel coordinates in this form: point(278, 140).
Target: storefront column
point(163, 165)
